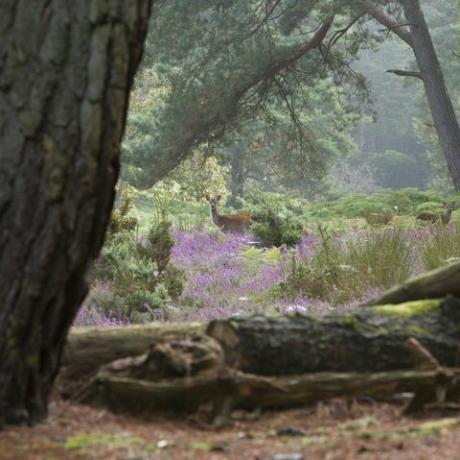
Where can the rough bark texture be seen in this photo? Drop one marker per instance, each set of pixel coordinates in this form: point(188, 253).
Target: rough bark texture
point(366, 340)
point(65, 74)
point(441, 107)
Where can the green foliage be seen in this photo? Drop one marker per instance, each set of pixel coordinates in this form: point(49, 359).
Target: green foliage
point(121, 219)
point(341, 271)
point(276, 217)
point(431, 206)
point(273, 230)
point(139, 272)
point(404, 201)
point(158, 245)
point(231, 73)
point(442, 245)
point(383, 218)
point(259, 202)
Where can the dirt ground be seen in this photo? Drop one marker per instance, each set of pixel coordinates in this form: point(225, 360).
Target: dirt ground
point(329, 431)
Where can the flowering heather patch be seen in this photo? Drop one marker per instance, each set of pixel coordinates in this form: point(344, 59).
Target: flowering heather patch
point(220, 280)
point(226, 275)
point(91, 315)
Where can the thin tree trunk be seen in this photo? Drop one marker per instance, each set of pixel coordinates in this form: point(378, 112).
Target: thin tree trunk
point(237, 173)
point(440, 103)
point(417, 36)
point(65, 76)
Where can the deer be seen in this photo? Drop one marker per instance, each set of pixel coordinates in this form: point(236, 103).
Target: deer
point(434, 217)
point(232, 223)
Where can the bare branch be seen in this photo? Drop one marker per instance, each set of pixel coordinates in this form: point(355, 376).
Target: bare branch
point(406, 73)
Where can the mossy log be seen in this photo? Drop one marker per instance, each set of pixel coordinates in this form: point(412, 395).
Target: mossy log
point(431, 285)
point(366, 340)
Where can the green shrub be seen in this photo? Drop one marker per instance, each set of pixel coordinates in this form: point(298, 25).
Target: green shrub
point(431, 206)
point(275, 230)
point(341, 271)
point(139, 271)
point(380, 259)
point(121, 219)
point(382, 218)
point(158, 245)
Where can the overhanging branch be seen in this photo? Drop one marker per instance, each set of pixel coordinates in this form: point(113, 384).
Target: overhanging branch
point(401, 30)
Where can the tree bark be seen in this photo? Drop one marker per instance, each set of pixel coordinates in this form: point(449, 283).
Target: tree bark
point(366, 340)
point(441, 107)
point(237, 173)
point(67, 68)
point(88, 349)
point(442, 110)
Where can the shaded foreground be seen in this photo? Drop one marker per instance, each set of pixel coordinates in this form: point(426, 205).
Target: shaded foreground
point(332, 431)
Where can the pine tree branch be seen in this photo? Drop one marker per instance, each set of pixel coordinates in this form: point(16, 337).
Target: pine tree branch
point(401, 30)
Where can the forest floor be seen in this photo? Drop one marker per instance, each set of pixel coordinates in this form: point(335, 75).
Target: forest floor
point(333, 431)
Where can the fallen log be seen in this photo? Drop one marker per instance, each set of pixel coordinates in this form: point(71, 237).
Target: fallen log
point(250, 391)
point(89, 348)
point(188, 374)
point(365, 340)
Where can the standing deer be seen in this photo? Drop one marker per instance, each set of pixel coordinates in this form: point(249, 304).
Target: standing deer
point(235, 223)
point(436, 217)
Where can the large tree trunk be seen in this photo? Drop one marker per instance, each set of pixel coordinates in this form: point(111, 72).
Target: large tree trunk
point(65, 76)
point(441, 106)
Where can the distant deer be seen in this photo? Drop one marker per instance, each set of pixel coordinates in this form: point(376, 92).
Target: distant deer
point(382, 218)
point(235, 223)
point(436, 217)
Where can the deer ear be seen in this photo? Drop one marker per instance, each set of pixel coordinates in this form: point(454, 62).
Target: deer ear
point(218, 197)
point(207, 197)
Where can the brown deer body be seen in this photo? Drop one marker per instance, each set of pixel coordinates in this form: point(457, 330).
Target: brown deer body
point(234, 223)
point(434, 217)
